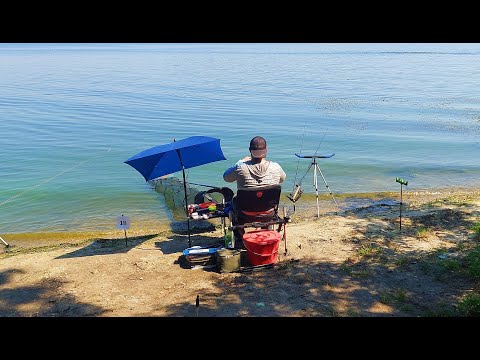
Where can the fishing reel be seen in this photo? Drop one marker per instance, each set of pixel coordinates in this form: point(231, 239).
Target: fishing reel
point(295, 194)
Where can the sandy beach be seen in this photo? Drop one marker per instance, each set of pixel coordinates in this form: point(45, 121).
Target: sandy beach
point(351, 262)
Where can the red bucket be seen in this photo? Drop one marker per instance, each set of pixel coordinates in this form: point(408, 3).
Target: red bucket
point(262, 246)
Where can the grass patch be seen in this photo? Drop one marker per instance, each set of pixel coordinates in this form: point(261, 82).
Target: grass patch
point(470, 305)
point(331, 311)
point(402, 261)
point(423, 233)
point(441, 310)
point(425, 267)
point(476, 231)
point(352, 313)
point(473, 262)
point(395, 296)
point(440, 264)
point(407, 308)
point(368, 251)
point(346, 269)
point(360, 273)
point(451, 264)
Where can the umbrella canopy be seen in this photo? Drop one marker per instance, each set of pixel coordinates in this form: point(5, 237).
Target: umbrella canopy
point(179, 155)
point(182, 154)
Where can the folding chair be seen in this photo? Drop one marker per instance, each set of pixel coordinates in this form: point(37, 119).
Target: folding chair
point(256, 208)
point(258, 204)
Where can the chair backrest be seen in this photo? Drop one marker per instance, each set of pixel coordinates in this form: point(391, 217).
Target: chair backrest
point(257, 204)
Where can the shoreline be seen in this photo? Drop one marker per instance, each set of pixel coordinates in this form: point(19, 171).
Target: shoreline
point(357, 262)
point(305, 210)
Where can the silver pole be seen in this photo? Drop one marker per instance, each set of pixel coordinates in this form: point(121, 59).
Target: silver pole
point(4, 242)
point(328, 188)
point(315, 184)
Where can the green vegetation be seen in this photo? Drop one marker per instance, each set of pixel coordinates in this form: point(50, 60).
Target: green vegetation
point(470, 305)
point(441, 262)
point(402, 261)
point(394, 296)
point(369, 250)
point(346, 268)
point(450, 200)
point(352, 313)
point(451, 264)
point(360, 273)
point(473, 262)
point(476, 229)
point(441, 309)
point(406, 308)
point(423, 233)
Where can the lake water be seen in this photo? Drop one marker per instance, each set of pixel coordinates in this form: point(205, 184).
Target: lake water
point(71, 114)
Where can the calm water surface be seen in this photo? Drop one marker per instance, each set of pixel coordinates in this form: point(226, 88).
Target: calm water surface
point(70, 114)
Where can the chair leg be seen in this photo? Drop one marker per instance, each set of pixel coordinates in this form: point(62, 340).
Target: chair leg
point(285, 230)
point(230, 218)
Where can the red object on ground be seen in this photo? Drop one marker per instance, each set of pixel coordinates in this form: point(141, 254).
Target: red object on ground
point(262, 246)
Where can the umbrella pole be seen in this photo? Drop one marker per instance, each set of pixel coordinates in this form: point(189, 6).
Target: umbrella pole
point(186, 206)
point(185, 191)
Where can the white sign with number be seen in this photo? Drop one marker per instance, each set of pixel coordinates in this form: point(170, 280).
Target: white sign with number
point(123, 222)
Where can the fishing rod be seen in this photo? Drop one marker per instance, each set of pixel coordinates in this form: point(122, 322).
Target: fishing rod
point(47, 180)
point(209, 186)
point(298, 162)
point(314, 155)
point(297, 190)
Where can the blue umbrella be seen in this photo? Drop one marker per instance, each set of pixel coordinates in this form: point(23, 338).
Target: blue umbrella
point(178, 155)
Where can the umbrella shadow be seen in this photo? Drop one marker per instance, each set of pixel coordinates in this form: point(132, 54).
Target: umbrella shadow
point(106, 246)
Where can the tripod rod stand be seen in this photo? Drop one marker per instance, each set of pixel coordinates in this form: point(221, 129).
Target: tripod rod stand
point(316, 168)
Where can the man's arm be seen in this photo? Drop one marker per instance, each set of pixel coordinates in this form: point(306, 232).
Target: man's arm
point(230, 174)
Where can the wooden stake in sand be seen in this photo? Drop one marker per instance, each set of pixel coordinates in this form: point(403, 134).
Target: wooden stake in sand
point(402, 182)
point(197, 303)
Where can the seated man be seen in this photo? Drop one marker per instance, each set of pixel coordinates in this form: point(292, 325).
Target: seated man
point(255, 170)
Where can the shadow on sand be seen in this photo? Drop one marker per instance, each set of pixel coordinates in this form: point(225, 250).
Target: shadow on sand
point(102, 246)
point(385, 277)
point(43, 297)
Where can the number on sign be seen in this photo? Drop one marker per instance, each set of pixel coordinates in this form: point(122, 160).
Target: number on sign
point(123, 222)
